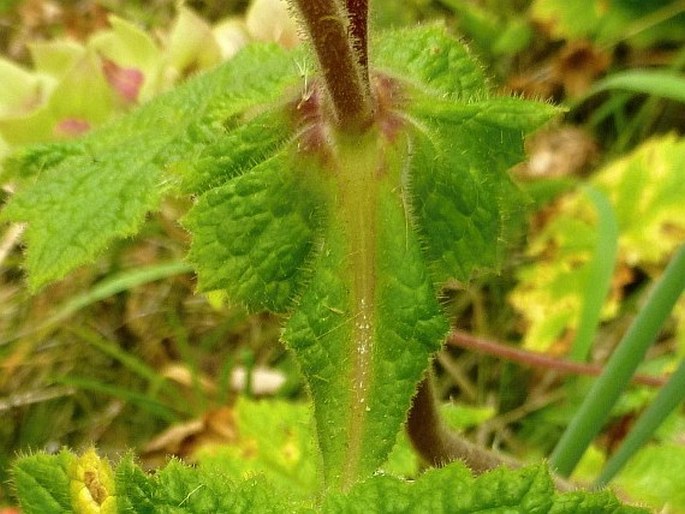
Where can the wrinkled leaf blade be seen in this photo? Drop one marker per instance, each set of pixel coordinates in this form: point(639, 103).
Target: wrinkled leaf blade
point(102, 186)
point(42, 483)
point(254, 235)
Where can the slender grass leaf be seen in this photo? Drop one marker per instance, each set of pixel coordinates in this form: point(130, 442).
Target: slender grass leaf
point(596, 407)
point(672, 395)
point(600, 275)
point(662, 83)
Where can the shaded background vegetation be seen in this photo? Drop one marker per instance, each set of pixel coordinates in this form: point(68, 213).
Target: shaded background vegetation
point(124, 349)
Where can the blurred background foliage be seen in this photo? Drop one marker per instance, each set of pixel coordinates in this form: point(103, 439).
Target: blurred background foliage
point(124, 355)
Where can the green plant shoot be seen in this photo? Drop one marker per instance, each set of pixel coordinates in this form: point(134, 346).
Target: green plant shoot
point(347, 233)
point(342, 203)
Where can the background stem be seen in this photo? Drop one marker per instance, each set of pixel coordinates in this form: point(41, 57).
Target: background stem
point(438, 445)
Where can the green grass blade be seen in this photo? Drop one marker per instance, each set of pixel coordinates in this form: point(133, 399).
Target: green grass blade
point(663, 83)
point(140, 399)
point(108, 287)
point(668, 399)
point(116, 284)
point(606, 390)
point(600, 276)
point(613, 105)
point(128, 360)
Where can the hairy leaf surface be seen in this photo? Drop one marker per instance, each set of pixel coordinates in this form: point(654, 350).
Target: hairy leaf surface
point(181, 489)
point(254, 235)
point(86, 193)
point(350, 235)
point(465, 201)
point(42, 483)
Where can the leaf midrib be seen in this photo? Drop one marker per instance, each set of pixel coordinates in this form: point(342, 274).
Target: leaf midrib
point(357, 184)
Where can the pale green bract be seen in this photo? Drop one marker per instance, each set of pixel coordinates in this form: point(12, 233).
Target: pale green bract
point(351, 246)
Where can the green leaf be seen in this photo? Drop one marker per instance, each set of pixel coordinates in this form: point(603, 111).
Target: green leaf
point(243, 147)
point(653, 476)
point(254, 235)
point(42, 483)
point(274, 438)
point(60, 236)
point(465, 204)
point(645, 190)
point(102, 186)
point(663, 83)
point(137, 490)
point(66, 483)
point(363, 361)
point(453, 490)
point(431, 60)
point(582, 502)
point(179, 489)
point(461, 417)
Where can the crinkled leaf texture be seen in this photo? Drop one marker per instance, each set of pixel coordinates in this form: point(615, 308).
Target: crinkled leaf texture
point(350, 235)
point(42, 482)
point(65, 483)
point(54, 484)
point(178, 489)
point(454, 490)
point(78, 196)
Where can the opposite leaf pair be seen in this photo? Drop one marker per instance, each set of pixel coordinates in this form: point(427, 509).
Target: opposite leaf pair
point(350, 234)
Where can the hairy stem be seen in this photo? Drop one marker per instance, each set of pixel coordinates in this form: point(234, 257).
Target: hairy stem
point(438, 445)
point(358, 11)
point(327, 26)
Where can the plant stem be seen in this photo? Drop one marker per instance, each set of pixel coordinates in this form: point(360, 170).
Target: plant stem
point(327, 26)
point(358, 11)
point(437, 444)
point(538, 360)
